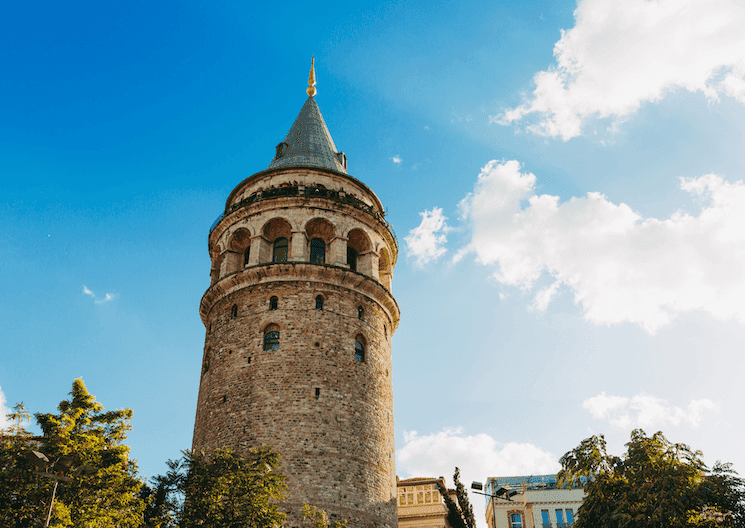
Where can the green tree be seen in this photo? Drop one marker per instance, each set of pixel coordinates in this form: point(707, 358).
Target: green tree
point(319, 518)
point(222, 490)
point(460, 514)
point(21, 493)
point(657, 483)
point(103, 488)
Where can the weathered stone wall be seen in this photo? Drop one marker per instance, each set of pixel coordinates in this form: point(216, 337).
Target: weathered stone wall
point(329, 415)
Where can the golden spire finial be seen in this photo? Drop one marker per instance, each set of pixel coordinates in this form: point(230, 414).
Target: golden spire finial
point(312, 78)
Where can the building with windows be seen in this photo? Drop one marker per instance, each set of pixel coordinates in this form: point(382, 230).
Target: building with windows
point(299, 317)
point(420, 503)
point(538, 503)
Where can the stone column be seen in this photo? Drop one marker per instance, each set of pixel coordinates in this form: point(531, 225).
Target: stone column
point(298, 246)
point(338, 252)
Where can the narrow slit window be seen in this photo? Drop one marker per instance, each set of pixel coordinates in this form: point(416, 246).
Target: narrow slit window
point(246, 255)
point(318, 393)
point(318, 251)
point(360, 312)
point(234, 311)
point(273, 303)
point(319, 302)
point(280, 250)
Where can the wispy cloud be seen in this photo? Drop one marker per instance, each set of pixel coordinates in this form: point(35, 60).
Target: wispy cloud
point(107, 297)
point(4, 411)
point(425, 242)
point(478, 456)
point(619, 55)
point(645, 410)
point(396, 159)
point(621, 266)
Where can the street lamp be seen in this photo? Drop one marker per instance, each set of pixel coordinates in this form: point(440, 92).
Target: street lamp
point(501, 493)
point(41, 461)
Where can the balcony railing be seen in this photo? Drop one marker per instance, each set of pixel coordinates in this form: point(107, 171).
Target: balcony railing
point(319, 192)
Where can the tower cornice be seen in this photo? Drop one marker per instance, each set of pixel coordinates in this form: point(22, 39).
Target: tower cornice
point(300, 272)
point(255, 178)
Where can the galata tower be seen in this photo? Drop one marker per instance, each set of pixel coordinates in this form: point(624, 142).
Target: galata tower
point(299, 318)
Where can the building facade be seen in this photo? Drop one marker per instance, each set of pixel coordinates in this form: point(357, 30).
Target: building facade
point(299, 317)
point(420, 503)
point(538, 503)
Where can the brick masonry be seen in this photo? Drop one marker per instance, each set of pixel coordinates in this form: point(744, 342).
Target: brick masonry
point(329, 415)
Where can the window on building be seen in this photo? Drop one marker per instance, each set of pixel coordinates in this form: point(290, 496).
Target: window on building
point(516, 520)
point(280, 250)
point(559, 519)
point(246, 254)
point(319, 302)
point(352, 258)
point(545, 519)
point(359, 348)
point(273, 303)
point(570, 517)
point(234, 311)
point(360, 312)
point(271, 339)
point(317, 251)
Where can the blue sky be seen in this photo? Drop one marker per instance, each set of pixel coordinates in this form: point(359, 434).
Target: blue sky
point(565, 180)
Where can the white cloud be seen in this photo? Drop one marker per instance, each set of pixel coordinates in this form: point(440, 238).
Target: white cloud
point(478, 457)
point(107, 297)
point(645, 410)
point(426, 241)
point(396, 159)
point(619, 55)
point(622, 267)
point(4, 411)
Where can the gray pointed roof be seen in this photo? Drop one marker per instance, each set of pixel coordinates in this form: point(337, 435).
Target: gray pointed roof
point(308, 143)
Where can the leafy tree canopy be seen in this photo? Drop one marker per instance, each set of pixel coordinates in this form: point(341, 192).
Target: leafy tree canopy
point(656, 484)
point(318, 518)
point(222, 490)
point(83, 444)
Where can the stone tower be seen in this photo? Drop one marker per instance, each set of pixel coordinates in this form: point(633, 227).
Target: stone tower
point(299, 318)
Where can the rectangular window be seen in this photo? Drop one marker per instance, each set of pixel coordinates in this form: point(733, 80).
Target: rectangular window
point(428, 497)
point(516, 520)
point(559, 519)
point(570, 517)
point(410, 498)
point(545, 519)
point(420, 498)
point(402, 499)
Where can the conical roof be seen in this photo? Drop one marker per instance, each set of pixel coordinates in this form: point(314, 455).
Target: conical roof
point(308, 143)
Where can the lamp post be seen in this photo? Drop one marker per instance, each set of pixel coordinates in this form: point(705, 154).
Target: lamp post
point(501, 493)
point(41, 461)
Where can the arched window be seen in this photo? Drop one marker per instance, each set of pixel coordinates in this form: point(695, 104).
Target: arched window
point(318, 251)
point(273, 303)
point(352, 258)
point(360, 312)
point(280, 250)
point(234, 311)
point(359, 348)
point(319, 302)
point(246, 254)
point(271, 337)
